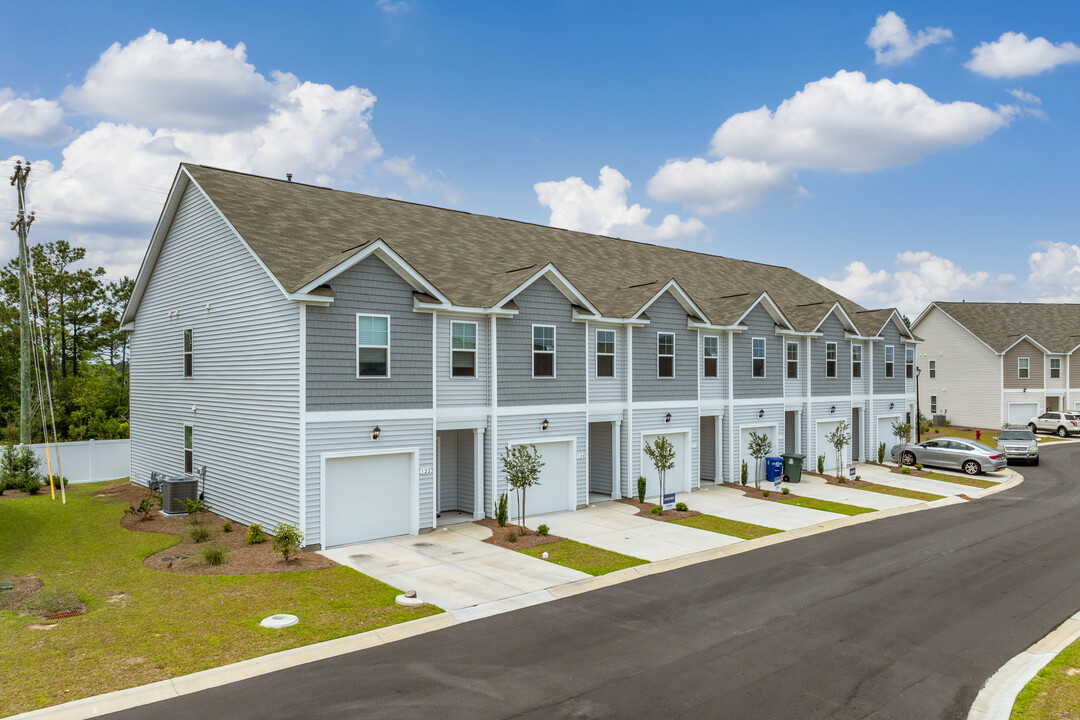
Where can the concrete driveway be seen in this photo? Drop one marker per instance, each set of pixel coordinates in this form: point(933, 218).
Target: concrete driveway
point(732, 504)
point(453, 569)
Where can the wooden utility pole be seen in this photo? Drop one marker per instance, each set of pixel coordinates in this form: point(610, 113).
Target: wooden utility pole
point(22, 226)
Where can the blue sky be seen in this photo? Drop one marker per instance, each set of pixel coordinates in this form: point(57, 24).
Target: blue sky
point(900, 179)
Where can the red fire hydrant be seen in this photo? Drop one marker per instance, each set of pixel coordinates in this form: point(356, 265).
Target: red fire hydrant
point(978, 434)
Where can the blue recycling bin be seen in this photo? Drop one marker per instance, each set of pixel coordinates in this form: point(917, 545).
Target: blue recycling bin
point(774, 468)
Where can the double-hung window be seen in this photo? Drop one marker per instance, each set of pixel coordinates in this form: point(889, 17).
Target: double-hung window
point(1023, 368)
point(372, 346)
point(889, 360)
point(793, 361)
point(605, 353)
point(189, 449)
point(1055, 368)
point(933, 369)
point(189, 349)
point(710, 350)
point(758, 357)
point(463, 349)
point(909, 362)
point(830, 359)
point(665, 355)
point(543, 351)
point(933, 404)
point(856, 361)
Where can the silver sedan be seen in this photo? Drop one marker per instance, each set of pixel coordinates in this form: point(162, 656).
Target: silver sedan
point(967, 455)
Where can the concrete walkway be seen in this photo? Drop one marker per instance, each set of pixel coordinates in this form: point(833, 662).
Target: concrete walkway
point(730, 503)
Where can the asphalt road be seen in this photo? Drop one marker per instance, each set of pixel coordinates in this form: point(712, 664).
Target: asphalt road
point(900, 618)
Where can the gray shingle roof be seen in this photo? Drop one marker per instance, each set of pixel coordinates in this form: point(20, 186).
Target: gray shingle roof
point(1055, 326)
point(302, 231)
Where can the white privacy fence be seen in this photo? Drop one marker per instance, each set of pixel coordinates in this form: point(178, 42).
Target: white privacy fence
point(89, 460)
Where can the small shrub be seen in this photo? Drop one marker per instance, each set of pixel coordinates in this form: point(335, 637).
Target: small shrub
point(19, 469)
point(918, 466)
point(905, 470)
point(199, 533)
point(194, 506)
point(255, 534)
point(681, 507)
point(821, 464)
point(215, 555)
point(785, 491)
point(745, 473)
point(542, 531)
point(31, 485)
point(226, 526)
point(641, 483)
point(511, 536)
point(858, 478)
point(287, 540)
point(54, 600)
point(765, 493)
point(502, 510)
point(881, 454)
point(657, 510)
point(841, 480)
point(144, 510)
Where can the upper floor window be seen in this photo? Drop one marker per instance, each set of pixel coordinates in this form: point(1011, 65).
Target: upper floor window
point(793, 361)
point(889, 360)
point(933, 369)
point(372, 345)
point(463, 349)
point(1023, 368)
point(543, 351)
point(830, 360)
point(665, 355)
point(758, 357)
point(1055, 368)
point(909, 362)
point(711, 356)
point(189, 449)
point(189, 348)
point(605, 353)
point(933, 403)
point(856, 361)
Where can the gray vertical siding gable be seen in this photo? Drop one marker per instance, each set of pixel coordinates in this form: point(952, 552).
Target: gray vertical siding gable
point(665, 315)
point(759, 324)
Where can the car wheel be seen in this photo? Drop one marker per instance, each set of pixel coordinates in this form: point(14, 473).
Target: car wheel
point(1033, 428)
point(971, 467)
point(1062, 432)
point(1035, 462)
point(907, 458)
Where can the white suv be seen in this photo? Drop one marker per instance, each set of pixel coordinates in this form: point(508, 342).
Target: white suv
point(1061, 423)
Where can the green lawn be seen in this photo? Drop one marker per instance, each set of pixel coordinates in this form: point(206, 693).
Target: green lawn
point(965, 480)
point(1053, 694)
point(969, 434)
point(712, 523)
point(143, 625)
point(586, 558)
point(902, 492)
point(827, 506)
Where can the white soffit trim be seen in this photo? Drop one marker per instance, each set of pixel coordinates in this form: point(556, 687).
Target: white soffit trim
point(560, 281)
point(1030, 339)
point(772, 308)
point(381, 249)
point(845, 319)
point(680, 295)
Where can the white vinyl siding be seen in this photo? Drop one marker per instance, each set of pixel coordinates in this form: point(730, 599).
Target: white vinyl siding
point(189, 352)
point(933, 369)
point(189, 449)
point(372, 346)
point(933, 404)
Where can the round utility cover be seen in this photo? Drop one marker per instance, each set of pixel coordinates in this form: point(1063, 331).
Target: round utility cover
point(403, 599)
point(279, 621)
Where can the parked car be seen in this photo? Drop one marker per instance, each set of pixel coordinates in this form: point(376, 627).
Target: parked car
point(1061, 423)
point(1019, 443)
point(967, 455)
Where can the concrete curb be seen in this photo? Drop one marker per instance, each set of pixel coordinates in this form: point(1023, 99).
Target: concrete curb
point(996, 699)
point(245, 669)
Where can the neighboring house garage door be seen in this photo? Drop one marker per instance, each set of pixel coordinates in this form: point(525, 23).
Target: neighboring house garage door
point(553, 494)
point(885, 435)
point(1021, 413)
point(367, 497)
point(824, 447)
point(677, 478)
point(744, 439)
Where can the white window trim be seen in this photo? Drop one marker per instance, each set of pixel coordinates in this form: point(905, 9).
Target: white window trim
point(183, 443)
point(835, 361)
point(855, 362)
point(191, 352)
point(933, 404)
point(356, 331)
point(933, 369)
point(1052, 361)
point(909, 363)
point(554, 351)
point(704, 356)
point(475, 351)
point(787, 360)
point(614, 354)
point(764, 358)
point(658, 356)
point(1027, 369)
point(890, 365)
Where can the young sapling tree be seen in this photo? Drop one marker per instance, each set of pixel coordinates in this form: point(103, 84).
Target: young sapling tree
point(522, 465)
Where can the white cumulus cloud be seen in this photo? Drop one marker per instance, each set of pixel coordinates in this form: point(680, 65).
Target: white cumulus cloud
point(1014, 55)
point(419, 180)
point(724, 185)
point(1055, 273)
point(893, 43)
point(576, 205)
point(31, 121)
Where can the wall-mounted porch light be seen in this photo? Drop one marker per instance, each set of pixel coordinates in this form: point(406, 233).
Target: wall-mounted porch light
point(376, 433)
point(761, 413)
point(667, 418)
point(544, 425)
point(832, 409)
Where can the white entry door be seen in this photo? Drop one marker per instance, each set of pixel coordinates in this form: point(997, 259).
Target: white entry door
point(823, 447)
point(368, 497)
point(677, 478)
point(1021, 413)
point(553, 494)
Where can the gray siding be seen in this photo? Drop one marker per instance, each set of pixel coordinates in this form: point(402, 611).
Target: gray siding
point(794, 387)
point(832, 330)
point(372, 287)
point(600, 459)
point(540, 303)
point(715, 387)
point(896, 384)
point(459, 391)
point(604, 390)
point(666, 315)
point(861, 385)
point(246, 382)
point(759, 324)
point(455, 477)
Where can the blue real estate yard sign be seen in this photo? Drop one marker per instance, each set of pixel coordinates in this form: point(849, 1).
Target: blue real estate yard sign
point(669, 501)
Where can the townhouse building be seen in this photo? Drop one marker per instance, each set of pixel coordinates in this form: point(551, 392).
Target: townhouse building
point(356, 365)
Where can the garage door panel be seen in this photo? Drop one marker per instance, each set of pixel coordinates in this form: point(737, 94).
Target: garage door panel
point(676, 478)
point(368, 497)
point(745, 456)
point(885, 434)
point(824, 447)
point(1021, 413)
point(553, 492)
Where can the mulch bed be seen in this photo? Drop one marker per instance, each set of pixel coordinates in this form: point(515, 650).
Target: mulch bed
point(243, 559)
point(645, 511)
point(753, 492)
point(848, 482)
point(916, 473)
point(500, 535)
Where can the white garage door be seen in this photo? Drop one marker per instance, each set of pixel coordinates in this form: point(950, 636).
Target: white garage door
point(368, 497)
point(1021, 413)
point(744, 440)
point(885, 435)
point(553, 492)
point(677, 478)
point(823, 447)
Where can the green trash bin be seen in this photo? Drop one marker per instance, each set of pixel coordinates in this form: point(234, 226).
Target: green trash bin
point(793, 467)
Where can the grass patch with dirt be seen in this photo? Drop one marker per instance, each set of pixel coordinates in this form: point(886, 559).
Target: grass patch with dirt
point(1053, 694)
point(969, 434)
point(724, 526)
point(142, 625)
point(902, 492)
point(959, 480)
point(586, 558)
point(826, 505)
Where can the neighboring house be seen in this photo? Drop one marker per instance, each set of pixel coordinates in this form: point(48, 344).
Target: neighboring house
point(985, 364)
point(356, 365)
